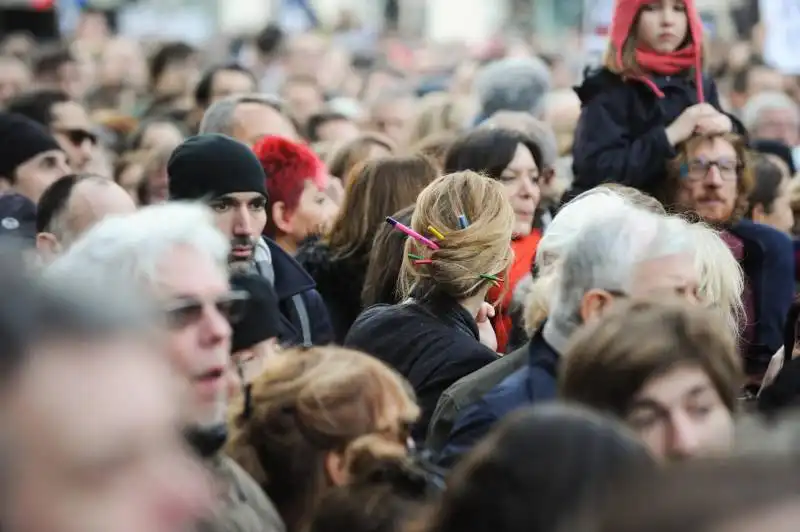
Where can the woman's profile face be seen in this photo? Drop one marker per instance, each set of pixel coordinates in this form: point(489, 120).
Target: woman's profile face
point(521, 181)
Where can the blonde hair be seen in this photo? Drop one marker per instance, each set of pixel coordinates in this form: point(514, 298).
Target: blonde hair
point(440, 112)
point(305, 404)
point(482, 248)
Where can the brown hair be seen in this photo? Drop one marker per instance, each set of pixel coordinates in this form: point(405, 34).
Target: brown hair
point(465, 254)
point(344, 158)
point(435, 146)
point(128, 159)
point(385, 261)
point(376, 188)
point(609, 361)
point(439, 113)
point(306, 404)
point(745, 177)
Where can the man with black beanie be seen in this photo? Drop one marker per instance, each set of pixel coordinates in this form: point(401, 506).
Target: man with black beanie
point(30, 158)
point(227, 175)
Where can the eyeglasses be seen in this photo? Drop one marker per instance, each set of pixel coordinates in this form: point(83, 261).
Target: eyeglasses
point(699, 168)
point(185, 311)
point(78, 136)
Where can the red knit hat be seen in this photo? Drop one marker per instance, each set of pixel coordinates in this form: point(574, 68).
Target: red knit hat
point(625, 12)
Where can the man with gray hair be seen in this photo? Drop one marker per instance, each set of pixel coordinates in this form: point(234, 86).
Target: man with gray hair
point(772, 116)
point(248, 117)
point(512, 84)
point(631, 254)
point(174, 254)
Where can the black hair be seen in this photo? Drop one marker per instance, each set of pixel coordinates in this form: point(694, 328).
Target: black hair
point(54, 199)
point(269, 40)
point(488, 151)
point(167, 55)
point(202, 92)
point(317, 120)
point(767, 186)
point(38, 104)
point(50, 60)
point(386, 259)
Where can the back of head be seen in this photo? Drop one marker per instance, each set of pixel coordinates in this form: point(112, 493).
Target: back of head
point(512, 84)
point(609, 360)
point(765, 101)
point(350, 154)
point(219, 117)
point(475, 249)
point(375, 189)
point(501, 485)
point(540, 132)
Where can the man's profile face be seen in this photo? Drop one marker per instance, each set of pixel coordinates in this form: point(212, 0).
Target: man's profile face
point(241, 216)
point(97, 446)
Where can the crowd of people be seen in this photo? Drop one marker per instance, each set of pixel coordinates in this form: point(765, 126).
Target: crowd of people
point(315, 289)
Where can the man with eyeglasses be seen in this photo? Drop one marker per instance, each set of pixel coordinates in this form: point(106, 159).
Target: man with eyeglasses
point(227, 175)
point(66, 119)
point(174, 253)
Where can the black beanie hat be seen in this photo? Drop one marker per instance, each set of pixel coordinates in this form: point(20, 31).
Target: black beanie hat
point(21, 139)
point(777, 148)
point(262, 316)
point(212, 165)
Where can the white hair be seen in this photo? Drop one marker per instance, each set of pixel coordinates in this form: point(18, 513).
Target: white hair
point(765, 101)
point(218, 118)
point(604, 255)
point(128, 249)
point(721, 277)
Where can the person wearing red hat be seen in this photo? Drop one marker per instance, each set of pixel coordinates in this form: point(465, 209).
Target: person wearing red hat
point(650, 96)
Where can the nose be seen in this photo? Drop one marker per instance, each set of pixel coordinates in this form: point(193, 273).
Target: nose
point(242, 224)
point(714, 177)
point(529, 187)
point(682, 437)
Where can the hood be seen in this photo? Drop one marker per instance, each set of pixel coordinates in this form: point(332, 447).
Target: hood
point(337, 278)
point(596, 82)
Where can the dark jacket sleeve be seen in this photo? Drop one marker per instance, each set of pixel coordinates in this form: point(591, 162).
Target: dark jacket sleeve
point(321, 328)
point(474, 423)
point(606, 149)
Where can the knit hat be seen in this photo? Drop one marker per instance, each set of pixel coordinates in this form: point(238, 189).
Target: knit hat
point(21, 139)
point(212, 165)
point(262, 317)
point(18, 217)
point(778, 149)
point(625, 12)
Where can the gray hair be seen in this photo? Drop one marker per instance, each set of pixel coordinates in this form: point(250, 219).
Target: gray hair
point(512, 84)
point(765, 101)
point(128, 250)
point(604, 256)
point(218, 118)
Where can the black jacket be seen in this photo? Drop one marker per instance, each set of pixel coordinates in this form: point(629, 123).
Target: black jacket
point(432, 344)
point(339, 282)
point(621, 135)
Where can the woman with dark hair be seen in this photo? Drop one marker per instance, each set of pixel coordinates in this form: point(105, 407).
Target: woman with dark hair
point(770, 199)
point(535, 470)
point(385, 260)
point(515, 160)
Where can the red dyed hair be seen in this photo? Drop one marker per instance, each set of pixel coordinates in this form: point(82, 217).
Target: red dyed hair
point(288, 166)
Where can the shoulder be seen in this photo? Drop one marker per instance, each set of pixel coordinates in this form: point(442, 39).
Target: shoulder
point(601, 83)
point(253, 497)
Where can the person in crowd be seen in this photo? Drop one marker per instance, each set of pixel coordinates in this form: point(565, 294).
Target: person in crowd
point(385, 262)
point(375, 189)
point(304, 97)
point(391, 112)
point(221, 81)
point(301, 418)
point(515, 161)
point(511, 84)
point(154, 185)
point(73, 462)
point(386, 491)
point(773, 115)
point(66, 119)
point(604, 263)
point(18, 220)
point(712, 178)
point(561, 111)
point(248, 118)
point(129, 172)
point(779, 154)
point(156, 134)
point(71, 206)
point(770, 199)
point(174, 72)
point(297, 182)
point(227, 174)
point(441, 330)
point(669, 370)
point(736, 495)
point(439, 112)
point(753, 79)
point(502, 486)
point(330, 126)
point(175, 255)
point(30, 158)
point(650, 96)
point(435, 147)
point(57, 68)
point(347, 156)
point(255, 333)
point(15, 78)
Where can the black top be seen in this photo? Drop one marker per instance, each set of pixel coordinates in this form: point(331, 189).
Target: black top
point(432, 344)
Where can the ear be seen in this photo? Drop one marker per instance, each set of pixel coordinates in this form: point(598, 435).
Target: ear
point(281, 217)
point(335, 468)
point(759, 216)
point(594, 303)
point(48, 246)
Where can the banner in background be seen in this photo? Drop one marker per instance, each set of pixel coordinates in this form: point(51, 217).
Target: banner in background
point(781, 19)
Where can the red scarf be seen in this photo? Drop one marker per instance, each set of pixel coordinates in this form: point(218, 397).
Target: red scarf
point(667, 64)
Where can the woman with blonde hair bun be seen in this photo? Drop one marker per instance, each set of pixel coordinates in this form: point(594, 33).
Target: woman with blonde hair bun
point(294, 428)
point(459, 248)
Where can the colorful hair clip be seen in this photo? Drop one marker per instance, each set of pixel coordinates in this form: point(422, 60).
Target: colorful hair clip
point(423, 261)
point(410, 232)
point(463, 223)
point(415, 257)
point(435, 232)
point(493, 278)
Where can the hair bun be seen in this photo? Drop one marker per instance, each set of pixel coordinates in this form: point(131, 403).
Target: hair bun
point(373, 460)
